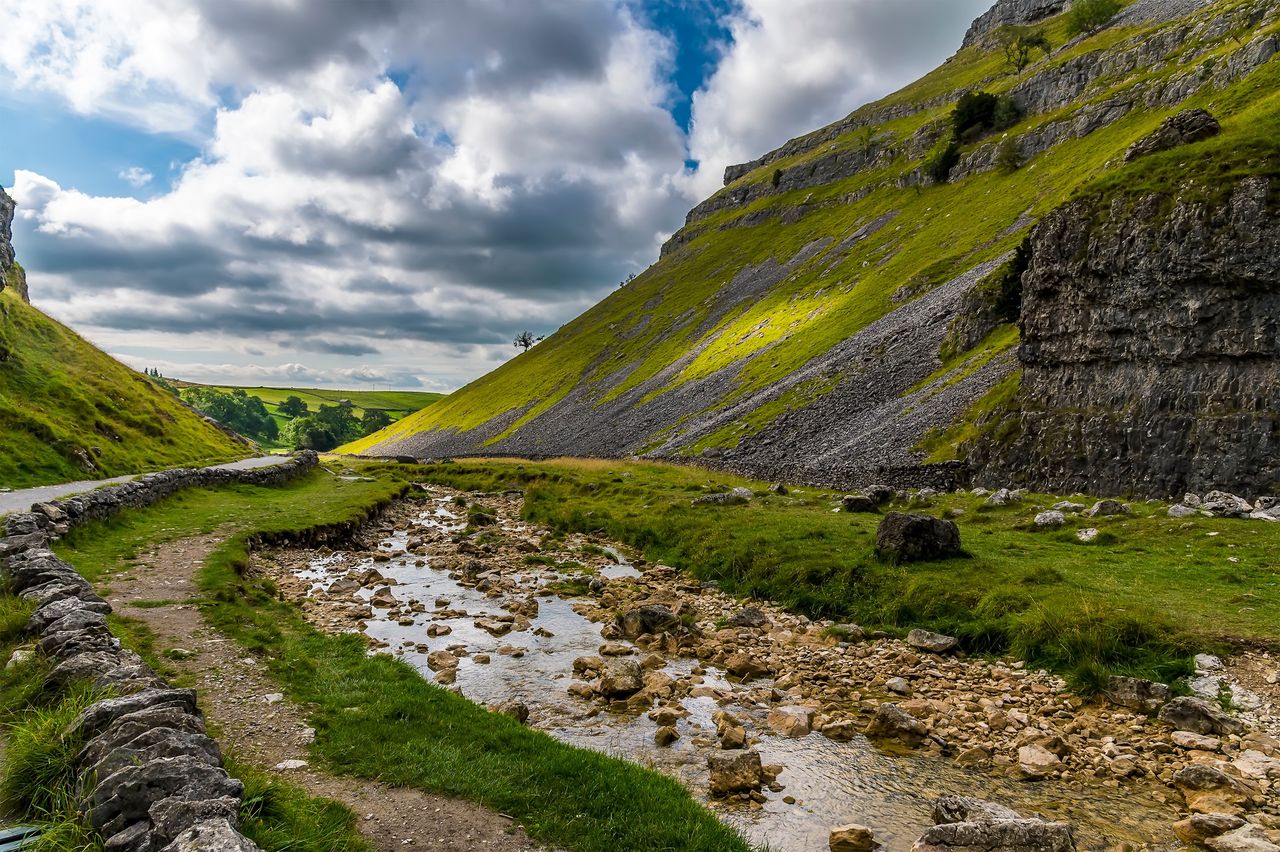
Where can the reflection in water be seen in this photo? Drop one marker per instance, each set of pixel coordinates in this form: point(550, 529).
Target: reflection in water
point(832, 782)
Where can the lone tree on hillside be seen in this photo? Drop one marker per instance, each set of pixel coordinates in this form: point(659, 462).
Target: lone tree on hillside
point(1019, 42)
point(525, 340)
point(1088, 15)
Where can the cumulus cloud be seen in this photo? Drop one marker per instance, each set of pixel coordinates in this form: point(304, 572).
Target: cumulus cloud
point(136, 176)
point(796, 65)
point(401, 181)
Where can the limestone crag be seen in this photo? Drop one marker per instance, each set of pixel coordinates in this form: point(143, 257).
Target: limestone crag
point(150, 779)
point(1011, 12)
point(11, 273)
point(1150, 356)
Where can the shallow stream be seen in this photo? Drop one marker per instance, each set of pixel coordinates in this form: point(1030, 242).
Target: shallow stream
point(832, 782)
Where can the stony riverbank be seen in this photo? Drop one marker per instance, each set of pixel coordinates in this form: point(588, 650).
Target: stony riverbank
point(666, 641)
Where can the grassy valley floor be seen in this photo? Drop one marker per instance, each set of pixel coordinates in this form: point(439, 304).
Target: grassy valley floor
point(376, 718)
point(1141, 598)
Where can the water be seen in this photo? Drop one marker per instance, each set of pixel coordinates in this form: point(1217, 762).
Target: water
point(832, 782)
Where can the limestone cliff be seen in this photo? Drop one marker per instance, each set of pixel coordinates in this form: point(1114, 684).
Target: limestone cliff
point(1150, 349)
point(11, 274)
point(841, 312)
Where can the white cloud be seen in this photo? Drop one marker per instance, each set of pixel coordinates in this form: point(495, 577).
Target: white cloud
point(136, 176)
point(524, 162)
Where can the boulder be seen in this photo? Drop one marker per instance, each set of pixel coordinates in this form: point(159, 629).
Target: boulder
point(622, 677)
point(173, 816)
point(1247, 838)
point(126, 796)
point(1003, 497)
point(749, 617)
point(650, 618)
point(745, 666)
point(1087, 535)
point(948, 809)
point(1209, 790)
point(736, 497)
point(1226, 505)
point(439, 660)
point(1010, 835)
point(934, 643)
point(1198, 828)
point(1049, 520)
point(735, 772)
point(1181, 511)
point(1183, 128)
point(1107, 508)
point(892, 722)
point(859, 503)
point(791, 721)
point(215, 835)
point(666, 735)
point(97, 716)
point(1136, 693)
point(914, 538)
point(852, 838)
point(1194, 741)
point(1198, 716)
point(1036, 762)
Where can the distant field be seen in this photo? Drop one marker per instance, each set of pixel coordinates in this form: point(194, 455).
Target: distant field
point(395, 403)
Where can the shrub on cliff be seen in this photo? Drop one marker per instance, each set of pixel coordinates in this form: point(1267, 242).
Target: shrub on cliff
point(1088, 15)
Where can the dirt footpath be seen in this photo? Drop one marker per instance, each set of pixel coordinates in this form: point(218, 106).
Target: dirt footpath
point(250, 719)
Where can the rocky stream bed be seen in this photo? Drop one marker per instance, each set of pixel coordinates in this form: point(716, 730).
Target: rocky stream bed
point(788, 727)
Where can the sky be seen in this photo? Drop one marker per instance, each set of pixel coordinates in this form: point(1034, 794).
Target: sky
point(383, 193)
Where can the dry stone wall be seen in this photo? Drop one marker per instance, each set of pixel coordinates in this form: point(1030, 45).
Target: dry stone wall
point(150, 776)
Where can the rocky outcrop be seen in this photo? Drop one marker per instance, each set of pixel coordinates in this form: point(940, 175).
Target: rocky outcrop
point(1150, 355)
point(1011, 12)
point(150, 778)
point(1184, 128)
point(11, 274)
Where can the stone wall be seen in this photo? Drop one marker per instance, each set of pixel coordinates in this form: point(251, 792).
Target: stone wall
point(150, 776)
point(1150, 349)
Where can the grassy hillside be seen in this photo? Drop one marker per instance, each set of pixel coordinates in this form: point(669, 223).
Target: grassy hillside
point(860, 247)
point(63, 401)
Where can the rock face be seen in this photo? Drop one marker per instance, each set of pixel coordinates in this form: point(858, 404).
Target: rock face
point(1184, 128)
point(10, 273)
point(1007, 12)
point(1150, 361)
point(915, 538)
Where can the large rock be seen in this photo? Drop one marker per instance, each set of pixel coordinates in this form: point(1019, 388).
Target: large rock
point(915, 538)
point(735, 772)
point(650, 618)
point(736, 497)
point(1186, 127)
point(1036, 762)
point(1247, 838)
point(852, 838)
point(621, 678)
point(863, 503)
point(215, 835)
point(1198, 716)
point(934, 643)
point(1010, 12)
point(892, 722)
point(1011, 835)
point(1136, 693)
point(947, 809)
point(1208, 790)
point(791, 721)
point(1226, 505)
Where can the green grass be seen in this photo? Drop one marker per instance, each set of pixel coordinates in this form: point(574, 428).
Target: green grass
point(376, 717)
point(60, 394)
point(1142, 598)
point(936, 232)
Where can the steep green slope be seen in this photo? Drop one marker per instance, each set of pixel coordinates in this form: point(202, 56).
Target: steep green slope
point(794, 324)
point(69, 411)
